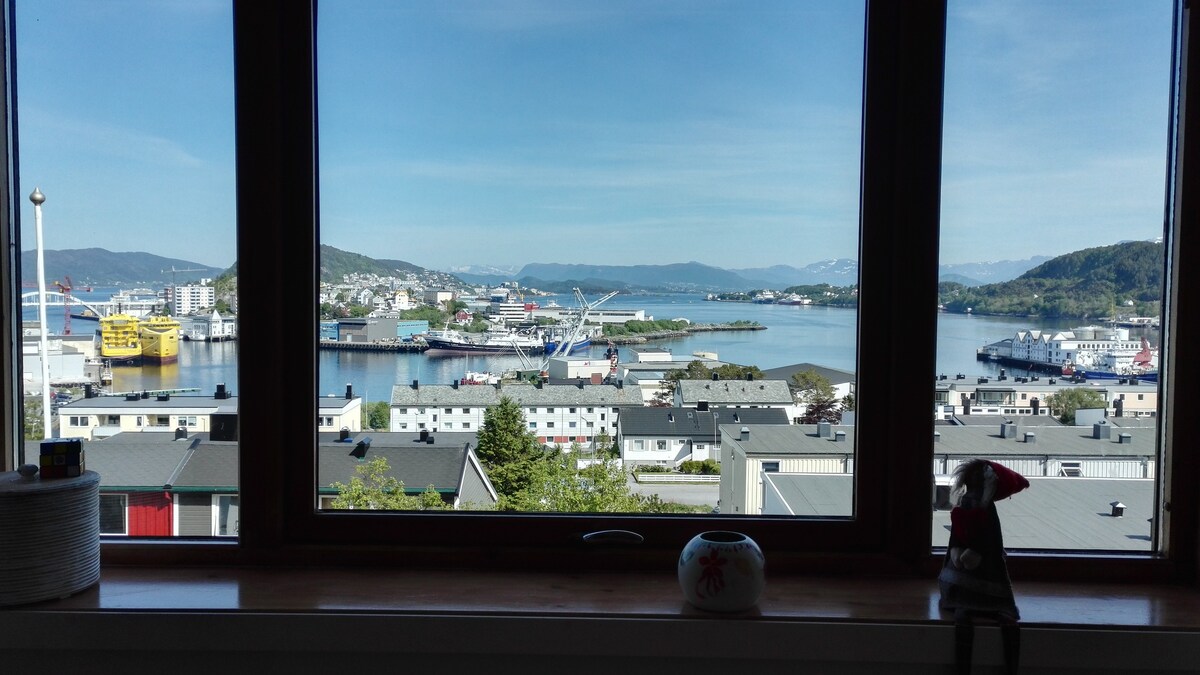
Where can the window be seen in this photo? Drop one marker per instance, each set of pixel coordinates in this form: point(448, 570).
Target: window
point(189, 421)
point(225, 515)
point(770, 467)
point(466, 425)
point(639, 444)
point(466, 411)
point(1047, 137)
point(901, 140)
point(113, 514)
point(660, 444)
point(448, 411)
point(78, 420)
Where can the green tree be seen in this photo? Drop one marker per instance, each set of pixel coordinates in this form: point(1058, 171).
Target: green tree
point(377, 415)
point(34, 425)
point(371, 488)
point(507, 449)
point(558, 485)
point(1067, 401)
point(816, 393)
point(606, 446)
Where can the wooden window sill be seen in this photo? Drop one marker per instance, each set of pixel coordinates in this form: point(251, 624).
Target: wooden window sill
point(203, 619)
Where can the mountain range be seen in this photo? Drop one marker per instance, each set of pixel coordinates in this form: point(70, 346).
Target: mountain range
point(100, 267)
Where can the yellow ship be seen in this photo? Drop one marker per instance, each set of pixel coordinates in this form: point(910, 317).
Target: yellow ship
point(160, 339)
point(118, 336)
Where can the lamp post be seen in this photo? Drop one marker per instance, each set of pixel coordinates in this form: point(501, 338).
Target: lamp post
point(38, 199)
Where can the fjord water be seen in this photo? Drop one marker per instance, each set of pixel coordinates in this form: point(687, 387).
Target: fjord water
point(823, 336)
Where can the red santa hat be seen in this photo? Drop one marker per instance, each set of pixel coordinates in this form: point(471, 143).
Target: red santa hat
point(1003, 482)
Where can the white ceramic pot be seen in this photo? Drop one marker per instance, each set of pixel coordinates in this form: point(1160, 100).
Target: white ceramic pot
point(721, 571)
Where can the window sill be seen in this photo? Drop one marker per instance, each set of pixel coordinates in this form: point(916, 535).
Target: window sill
point(338, 616)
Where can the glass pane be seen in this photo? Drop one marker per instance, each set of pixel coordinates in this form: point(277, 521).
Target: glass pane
point(1052, 261)
point(126, 130)
point(601, 254)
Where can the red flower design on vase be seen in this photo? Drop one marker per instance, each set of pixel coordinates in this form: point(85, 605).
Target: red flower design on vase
point(712, 578)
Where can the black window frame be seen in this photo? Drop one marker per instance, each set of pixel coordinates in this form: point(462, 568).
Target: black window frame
point(277, 151)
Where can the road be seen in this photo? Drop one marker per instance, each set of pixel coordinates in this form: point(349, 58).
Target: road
point(680, 494)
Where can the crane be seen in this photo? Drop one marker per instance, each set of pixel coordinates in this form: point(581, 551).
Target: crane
point(174, 271)
point(65, 289)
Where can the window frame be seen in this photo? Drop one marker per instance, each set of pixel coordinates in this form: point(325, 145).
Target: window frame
point(274, 46)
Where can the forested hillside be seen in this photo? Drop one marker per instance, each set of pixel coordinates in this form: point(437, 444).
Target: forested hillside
point(1124, 279)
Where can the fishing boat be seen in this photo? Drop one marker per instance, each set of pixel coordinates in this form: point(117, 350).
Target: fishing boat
point(489, 342)
point(119, 341)
point(159, 336)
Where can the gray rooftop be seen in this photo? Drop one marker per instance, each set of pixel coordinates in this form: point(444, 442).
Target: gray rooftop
point(834, 375)
point(745, 392)
point(686, 422)
point(803, 439)
point(1052, 514)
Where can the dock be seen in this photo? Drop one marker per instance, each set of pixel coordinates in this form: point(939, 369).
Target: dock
point(409, 347)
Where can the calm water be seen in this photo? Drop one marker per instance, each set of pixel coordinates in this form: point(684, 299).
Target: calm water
point(795, 334)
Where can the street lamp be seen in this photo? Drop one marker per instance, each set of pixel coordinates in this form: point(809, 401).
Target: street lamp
point(38, 199)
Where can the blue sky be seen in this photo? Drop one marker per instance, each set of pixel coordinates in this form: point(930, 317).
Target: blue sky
point(482, 132)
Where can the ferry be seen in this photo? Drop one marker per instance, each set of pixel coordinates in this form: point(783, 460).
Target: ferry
point(119, 339)
point(159, 336)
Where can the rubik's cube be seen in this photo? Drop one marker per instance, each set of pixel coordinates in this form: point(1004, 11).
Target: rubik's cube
point(61, 458)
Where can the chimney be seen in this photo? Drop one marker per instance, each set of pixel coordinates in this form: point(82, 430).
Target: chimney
point(424, 435)
point(416, 384)
point(220, 393)
point(580, 383)
point(839, 437)
point(349, 391)
point(498, 385)
point(715, 377)
point(163, 397)
point(1008, 429)
point(1119, 404)
point(1125, 439)
point(1118, 509)
point(702, 406)
point(454, 384)
point(145, 394)
point(1030, 437)
point(1101, 430)
point(87, 390)
point(824, 430)
point(344, 434)
point(937, 437)
point(620, 384)
point(745, 435)
point(749, 377)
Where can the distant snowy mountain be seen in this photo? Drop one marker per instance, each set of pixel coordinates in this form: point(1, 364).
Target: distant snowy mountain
point(978, 274)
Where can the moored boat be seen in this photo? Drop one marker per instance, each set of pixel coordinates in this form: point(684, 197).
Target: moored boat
point(119, 339)
point(159, 337)
point(491, 342)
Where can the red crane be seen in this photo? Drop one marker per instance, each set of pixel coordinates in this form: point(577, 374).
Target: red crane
point(65, 289)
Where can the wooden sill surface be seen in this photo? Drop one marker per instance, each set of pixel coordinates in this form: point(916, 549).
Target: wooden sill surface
point(601, 595)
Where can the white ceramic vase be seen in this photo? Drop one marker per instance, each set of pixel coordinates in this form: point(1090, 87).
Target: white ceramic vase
point(721, 571)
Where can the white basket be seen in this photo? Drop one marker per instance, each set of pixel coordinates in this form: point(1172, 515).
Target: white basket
point(49, 536)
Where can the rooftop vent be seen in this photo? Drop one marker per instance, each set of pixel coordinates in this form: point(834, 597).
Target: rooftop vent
point(1030, 437)
point(824, 430)
point(132, 397)
point(361, 448)
point(221, 392)
point(670, 417)
point(163, 397)
point(745, 434)
point(349, 391)
point(1125, 439)
point(937, 437)
point(424, 435)
point(344, 434)
point(1008, 429)
point(180, 433)
point(839, 437)
point(1101, 430)
point(702, 405)
point(1118, 509)
point(429, 440)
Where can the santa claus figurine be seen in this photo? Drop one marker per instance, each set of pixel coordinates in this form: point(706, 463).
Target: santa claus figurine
point(974, 580)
